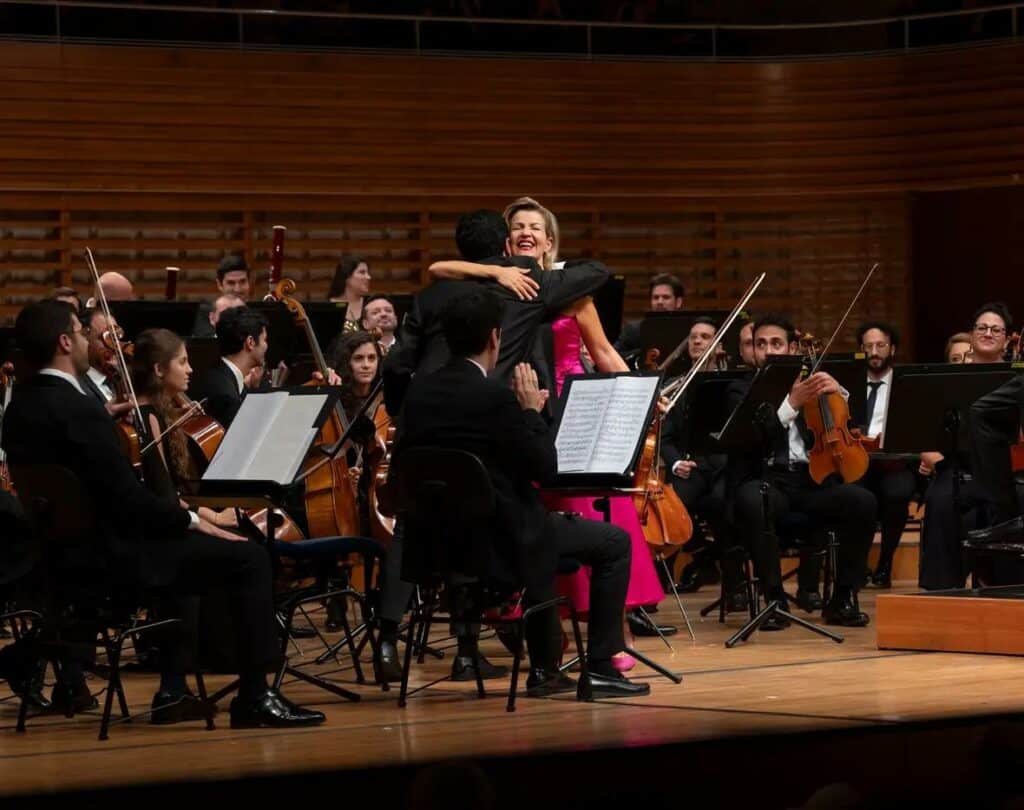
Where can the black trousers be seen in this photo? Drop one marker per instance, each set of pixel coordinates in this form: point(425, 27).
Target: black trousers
point(703, 494)
point(892, 483)
point(847, 508)
point(995, 421)
point(602, 546)
point(942, 564)
point(243, 571)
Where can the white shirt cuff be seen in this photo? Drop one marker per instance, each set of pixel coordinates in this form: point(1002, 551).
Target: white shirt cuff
point(787, 413)
point(193, 520)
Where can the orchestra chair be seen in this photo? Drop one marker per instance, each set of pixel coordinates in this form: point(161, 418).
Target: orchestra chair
point(447, 500)
point(84, 608)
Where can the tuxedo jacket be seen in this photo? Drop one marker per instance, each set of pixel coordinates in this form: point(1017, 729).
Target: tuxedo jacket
point(457, 407)
point(218, 386)
point(423, 347)
point(50, 422)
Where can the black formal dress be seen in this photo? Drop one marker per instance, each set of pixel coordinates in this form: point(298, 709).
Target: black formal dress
point(217, 387)
point(143, 538)
point(457, 407)
point(847, 508)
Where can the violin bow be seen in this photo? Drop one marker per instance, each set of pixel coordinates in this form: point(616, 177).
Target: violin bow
point(190, 411)
point(122, 363)
point(842, 321)
point(677, 388)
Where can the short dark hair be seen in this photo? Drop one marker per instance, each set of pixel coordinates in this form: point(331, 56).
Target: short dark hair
point(780, 321)
point(468, 319)
point(343, 271)
point(669, 280)
point(481, 234)
point(38, 328)
point(237, 324)
point(705, 319)
point(887, 329)
point(231, 263)
point(376, 297)
point(996, 308)
point(68, 292)
point(88, 314)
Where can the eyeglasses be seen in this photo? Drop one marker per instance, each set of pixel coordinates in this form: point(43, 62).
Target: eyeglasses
point(881, 345)
point(984, 328)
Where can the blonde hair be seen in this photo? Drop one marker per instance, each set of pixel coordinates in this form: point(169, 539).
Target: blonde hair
point(550, 225)
point(959, 337)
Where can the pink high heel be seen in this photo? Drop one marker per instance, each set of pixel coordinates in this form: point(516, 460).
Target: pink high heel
point(623, 662)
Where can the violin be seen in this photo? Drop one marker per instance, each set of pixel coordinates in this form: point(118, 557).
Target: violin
point(837, 448)
point(202, 432)
point(382, 512)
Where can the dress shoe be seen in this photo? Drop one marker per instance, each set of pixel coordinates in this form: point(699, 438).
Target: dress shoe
point(736, 602)
point(272, 710)
point(641, 625)
point(462, 669)
point(543, 682)
point(82, 700)
point(695, 575)
point(389, 666)
point(882, 578)
point(844, 610)
point(1009, 531)
point(809, 601)
point(595, 686)
point(170, 708)
point(304, 631)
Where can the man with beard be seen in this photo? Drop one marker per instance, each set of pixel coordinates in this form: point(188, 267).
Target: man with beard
point(892, 482)
point(666, 295)
point(379, 313)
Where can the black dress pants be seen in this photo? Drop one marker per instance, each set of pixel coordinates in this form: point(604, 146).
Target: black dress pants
point(893, 484)
point(847, 508)
point(942, 564)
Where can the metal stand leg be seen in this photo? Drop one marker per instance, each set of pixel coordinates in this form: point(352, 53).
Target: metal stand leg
point(775, 608)
point(679, 602)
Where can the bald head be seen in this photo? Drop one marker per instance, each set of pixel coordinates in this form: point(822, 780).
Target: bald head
point(116, 287)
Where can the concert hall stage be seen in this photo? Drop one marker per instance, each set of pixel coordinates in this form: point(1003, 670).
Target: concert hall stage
point(772, 721)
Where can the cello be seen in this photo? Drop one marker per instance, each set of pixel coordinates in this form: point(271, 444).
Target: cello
point(7, 383)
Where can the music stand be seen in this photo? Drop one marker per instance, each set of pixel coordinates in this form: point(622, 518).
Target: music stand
point(283, 335)
point(928, 406)
point(749, 427)
point(664, 331)
point(203, 354)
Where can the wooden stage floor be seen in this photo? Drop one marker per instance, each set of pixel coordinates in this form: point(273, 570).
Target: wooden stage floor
point(780, 683)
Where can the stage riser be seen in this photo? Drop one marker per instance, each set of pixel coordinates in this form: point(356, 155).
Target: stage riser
point(950, 624)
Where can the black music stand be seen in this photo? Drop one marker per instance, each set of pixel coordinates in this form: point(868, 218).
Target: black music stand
point(664, 331)
point(750, 426)
point(272, 495)
point(136, 316)
point(929, 409)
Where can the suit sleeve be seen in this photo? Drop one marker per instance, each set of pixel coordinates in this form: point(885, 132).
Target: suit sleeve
point(222, 404)
point(524, 440)
point(672, 437)
point(559, 288)
point(401, 363)
point(92, 438)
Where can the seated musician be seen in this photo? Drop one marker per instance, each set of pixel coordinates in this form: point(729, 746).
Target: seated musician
point(459, 407)
point(699, 482)
point(942, 556)
point(379, 314)
point(99, 379)
point(242, 339)
point(115, 288)
point(666, 294)
point(70, 296)
point(145, 539)
point(847, 508)
point(747, 345)
point(958, 348)
point(233, 278)
point(892, 482)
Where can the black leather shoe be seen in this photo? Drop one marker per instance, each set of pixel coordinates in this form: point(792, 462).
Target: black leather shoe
point(543, 682)
point(695, 575)
point(843, 610)
point(641, 625)
point(462, 669)
point(302, 631)
point(390, 667)
point(595, 686)
point(1010, 531)
point(882, 578)
point(83, 700)
point(169, 708)
point(272, 710)
point(809, 601)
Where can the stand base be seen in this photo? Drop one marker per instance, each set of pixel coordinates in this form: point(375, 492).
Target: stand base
point(776, 608)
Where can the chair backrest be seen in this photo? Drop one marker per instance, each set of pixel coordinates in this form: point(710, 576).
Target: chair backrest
point(446, 502)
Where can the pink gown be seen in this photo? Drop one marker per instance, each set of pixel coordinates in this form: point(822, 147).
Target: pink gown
point(644, 586)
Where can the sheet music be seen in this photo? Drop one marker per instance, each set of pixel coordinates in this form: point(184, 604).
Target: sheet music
point(245, 436)
point(602, 424)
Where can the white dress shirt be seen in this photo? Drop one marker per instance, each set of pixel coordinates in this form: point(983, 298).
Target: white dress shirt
point(56, 372)
point(475, 363)
point(100, 379)
point(787, 415)
point(877, 426)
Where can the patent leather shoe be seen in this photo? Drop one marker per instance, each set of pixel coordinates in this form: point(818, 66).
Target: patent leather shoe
point(82, 699)
point(272, 710)
point(543, 682)
point(595, 686)
point(463, 669)
point(844, 611)
point(1009, 531)
point(882, 578)
point(695, 575)
point(168, 708)
point(809, 601)
point(389, 667)
point(641, 625)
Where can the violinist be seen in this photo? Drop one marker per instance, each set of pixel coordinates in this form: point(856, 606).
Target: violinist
point(942, 558)
point(701, 334)
point(69, 296)
point(144, 539)
point(958, 348)
point(115, 287)
point(101, 378)
point(747, 345)
point(892, 482)
point(665, 294)
point(847, 508)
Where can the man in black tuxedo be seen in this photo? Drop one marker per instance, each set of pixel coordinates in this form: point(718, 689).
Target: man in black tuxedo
point(144, 539)
point(666, 294)
point(242, 339)
point(459, 406)
point(848, 508)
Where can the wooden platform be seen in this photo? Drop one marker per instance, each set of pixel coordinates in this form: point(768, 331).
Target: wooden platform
point(786, 683)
